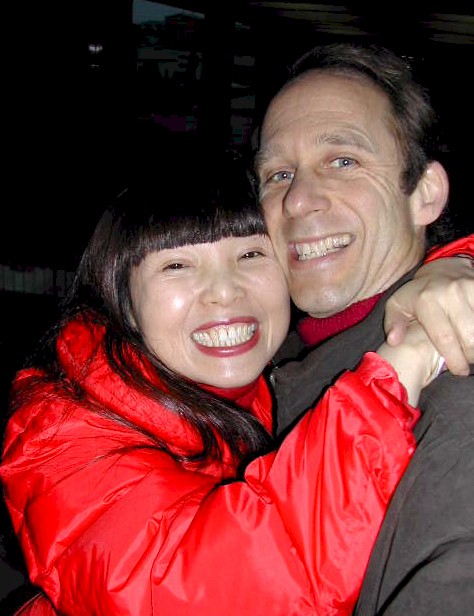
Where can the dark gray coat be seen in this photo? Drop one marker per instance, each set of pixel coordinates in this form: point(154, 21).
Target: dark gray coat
point(423, 561)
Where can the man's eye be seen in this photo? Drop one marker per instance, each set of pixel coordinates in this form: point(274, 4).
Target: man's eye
point(282, 176)
point(343, 163)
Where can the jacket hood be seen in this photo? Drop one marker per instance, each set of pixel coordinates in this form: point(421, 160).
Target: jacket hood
point(82, 355)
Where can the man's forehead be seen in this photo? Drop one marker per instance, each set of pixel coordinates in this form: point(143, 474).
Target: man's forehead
point(321, 87)
point(355, 124)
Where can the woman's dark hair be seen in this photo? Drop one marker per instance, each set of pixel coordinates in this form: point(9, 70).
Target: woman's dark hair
point(184, 199)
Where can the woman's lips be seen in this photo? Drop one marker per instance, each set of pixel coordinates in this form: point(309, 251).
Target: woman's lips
point(232, 337)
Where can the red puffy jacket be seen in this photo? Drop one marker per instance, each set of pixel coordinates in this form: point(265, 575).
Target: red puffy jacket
point(109, 525)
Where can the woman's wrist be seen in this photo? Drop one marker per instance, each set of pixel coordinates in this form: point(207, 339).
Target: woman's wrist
point(415, 361)
point(410, 368)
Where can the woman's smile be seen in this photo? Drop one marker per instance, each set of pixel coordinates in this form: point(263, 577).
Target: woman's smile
point(230, 338)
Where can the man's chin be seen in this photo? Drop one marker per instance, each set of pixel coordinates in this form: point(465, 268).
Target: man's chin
point(321, 302)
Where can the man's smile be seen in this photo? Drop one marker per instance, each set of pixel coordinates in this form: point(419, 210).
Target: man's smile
point(305, 251)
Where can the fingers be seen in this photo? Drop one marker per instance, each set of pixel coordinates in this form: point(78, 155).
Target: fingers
point(442, 300)
point(396, 329)
point(450, 327)
point(400, 310)
point(447, 337)
point(454, 333)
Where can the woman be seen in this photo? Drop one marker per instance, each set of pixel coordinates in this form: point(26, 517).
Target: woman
point(138, 464)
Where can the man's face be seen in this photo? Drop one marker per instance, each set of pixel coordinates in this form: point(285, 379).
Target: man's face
point(330, 175)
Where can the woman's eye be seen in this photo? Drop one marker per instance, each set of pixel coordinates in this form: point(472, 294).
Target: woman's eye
point(174, 266)
point(252, 254)
point(344, 162)
point(282, 176)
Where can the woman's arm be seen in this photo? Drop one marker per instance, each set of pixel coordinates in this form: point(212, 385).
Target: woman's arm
point(415, 361)
point(108, 528)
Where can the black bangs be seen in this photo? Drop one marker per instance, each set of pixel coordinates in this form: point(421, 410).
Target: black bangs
point(193, 202)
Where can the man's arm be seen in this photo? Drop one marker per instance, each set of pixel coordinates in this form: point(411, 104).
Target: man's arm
point(441, 298)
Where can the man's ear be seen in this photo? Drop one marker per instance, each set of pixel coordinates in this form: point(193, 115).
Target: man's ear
point(430, 195)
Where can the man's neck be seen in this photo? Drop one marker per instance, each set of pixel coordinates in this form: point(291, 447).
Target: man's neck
point(313, 331)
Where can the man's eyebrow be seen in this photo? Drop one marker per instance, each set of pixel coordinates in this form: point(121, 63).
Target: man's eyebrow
point(266, 153)
point(349, 138)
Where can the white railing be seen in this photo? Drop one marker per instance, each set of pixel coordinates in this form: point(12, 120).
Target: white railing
point(37, 280)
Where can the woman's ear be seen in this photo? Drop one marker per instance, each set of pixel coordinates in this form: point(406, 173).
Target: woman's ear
point(430, 195)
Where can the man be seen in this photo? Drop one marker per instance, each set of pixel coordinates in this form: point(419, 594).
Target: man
point(348, 189)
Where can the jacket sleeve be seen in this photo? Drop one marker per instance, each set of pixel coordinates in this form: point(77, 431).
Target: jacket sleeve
point(110, 529)
point(463, 247)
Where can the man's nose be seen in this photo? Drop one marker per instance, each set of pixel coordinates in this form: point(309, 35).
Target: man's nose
point(222, 287)
point(306, 193)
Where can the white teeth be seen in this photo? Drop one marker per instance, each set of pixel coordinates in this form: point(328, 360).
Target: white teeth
point(225, 335)
point(322, 248)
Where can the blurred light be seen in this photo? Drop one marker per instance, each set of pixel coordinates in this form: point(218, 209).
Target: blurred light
point(95, 48)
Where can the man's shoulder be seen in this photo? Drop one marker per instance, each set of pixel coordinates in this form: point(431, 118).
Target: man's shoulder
point(428, 531)
point(302, 374)
point(337, 353)
point(449, 398)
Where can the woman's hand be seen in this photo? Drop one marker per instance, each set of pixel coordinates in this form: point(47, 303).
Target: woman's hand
point(441, 298)
point(415, 360)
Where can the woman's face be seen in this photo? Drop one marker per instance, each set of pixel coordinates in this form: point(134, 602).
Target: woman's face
point(216, 312)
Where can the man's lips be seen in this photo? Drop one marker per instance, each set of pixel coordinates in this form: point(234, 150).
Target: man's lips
point(305, 251)
point(227, 338)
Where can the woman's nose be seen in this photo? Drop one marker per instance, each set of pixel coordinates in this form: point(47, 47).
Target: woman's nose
point(222, 287)
point(305, 194)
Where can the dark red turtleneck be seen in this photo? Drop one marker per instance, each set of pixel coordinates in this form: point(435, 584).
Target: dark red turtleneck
point(313, 331)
